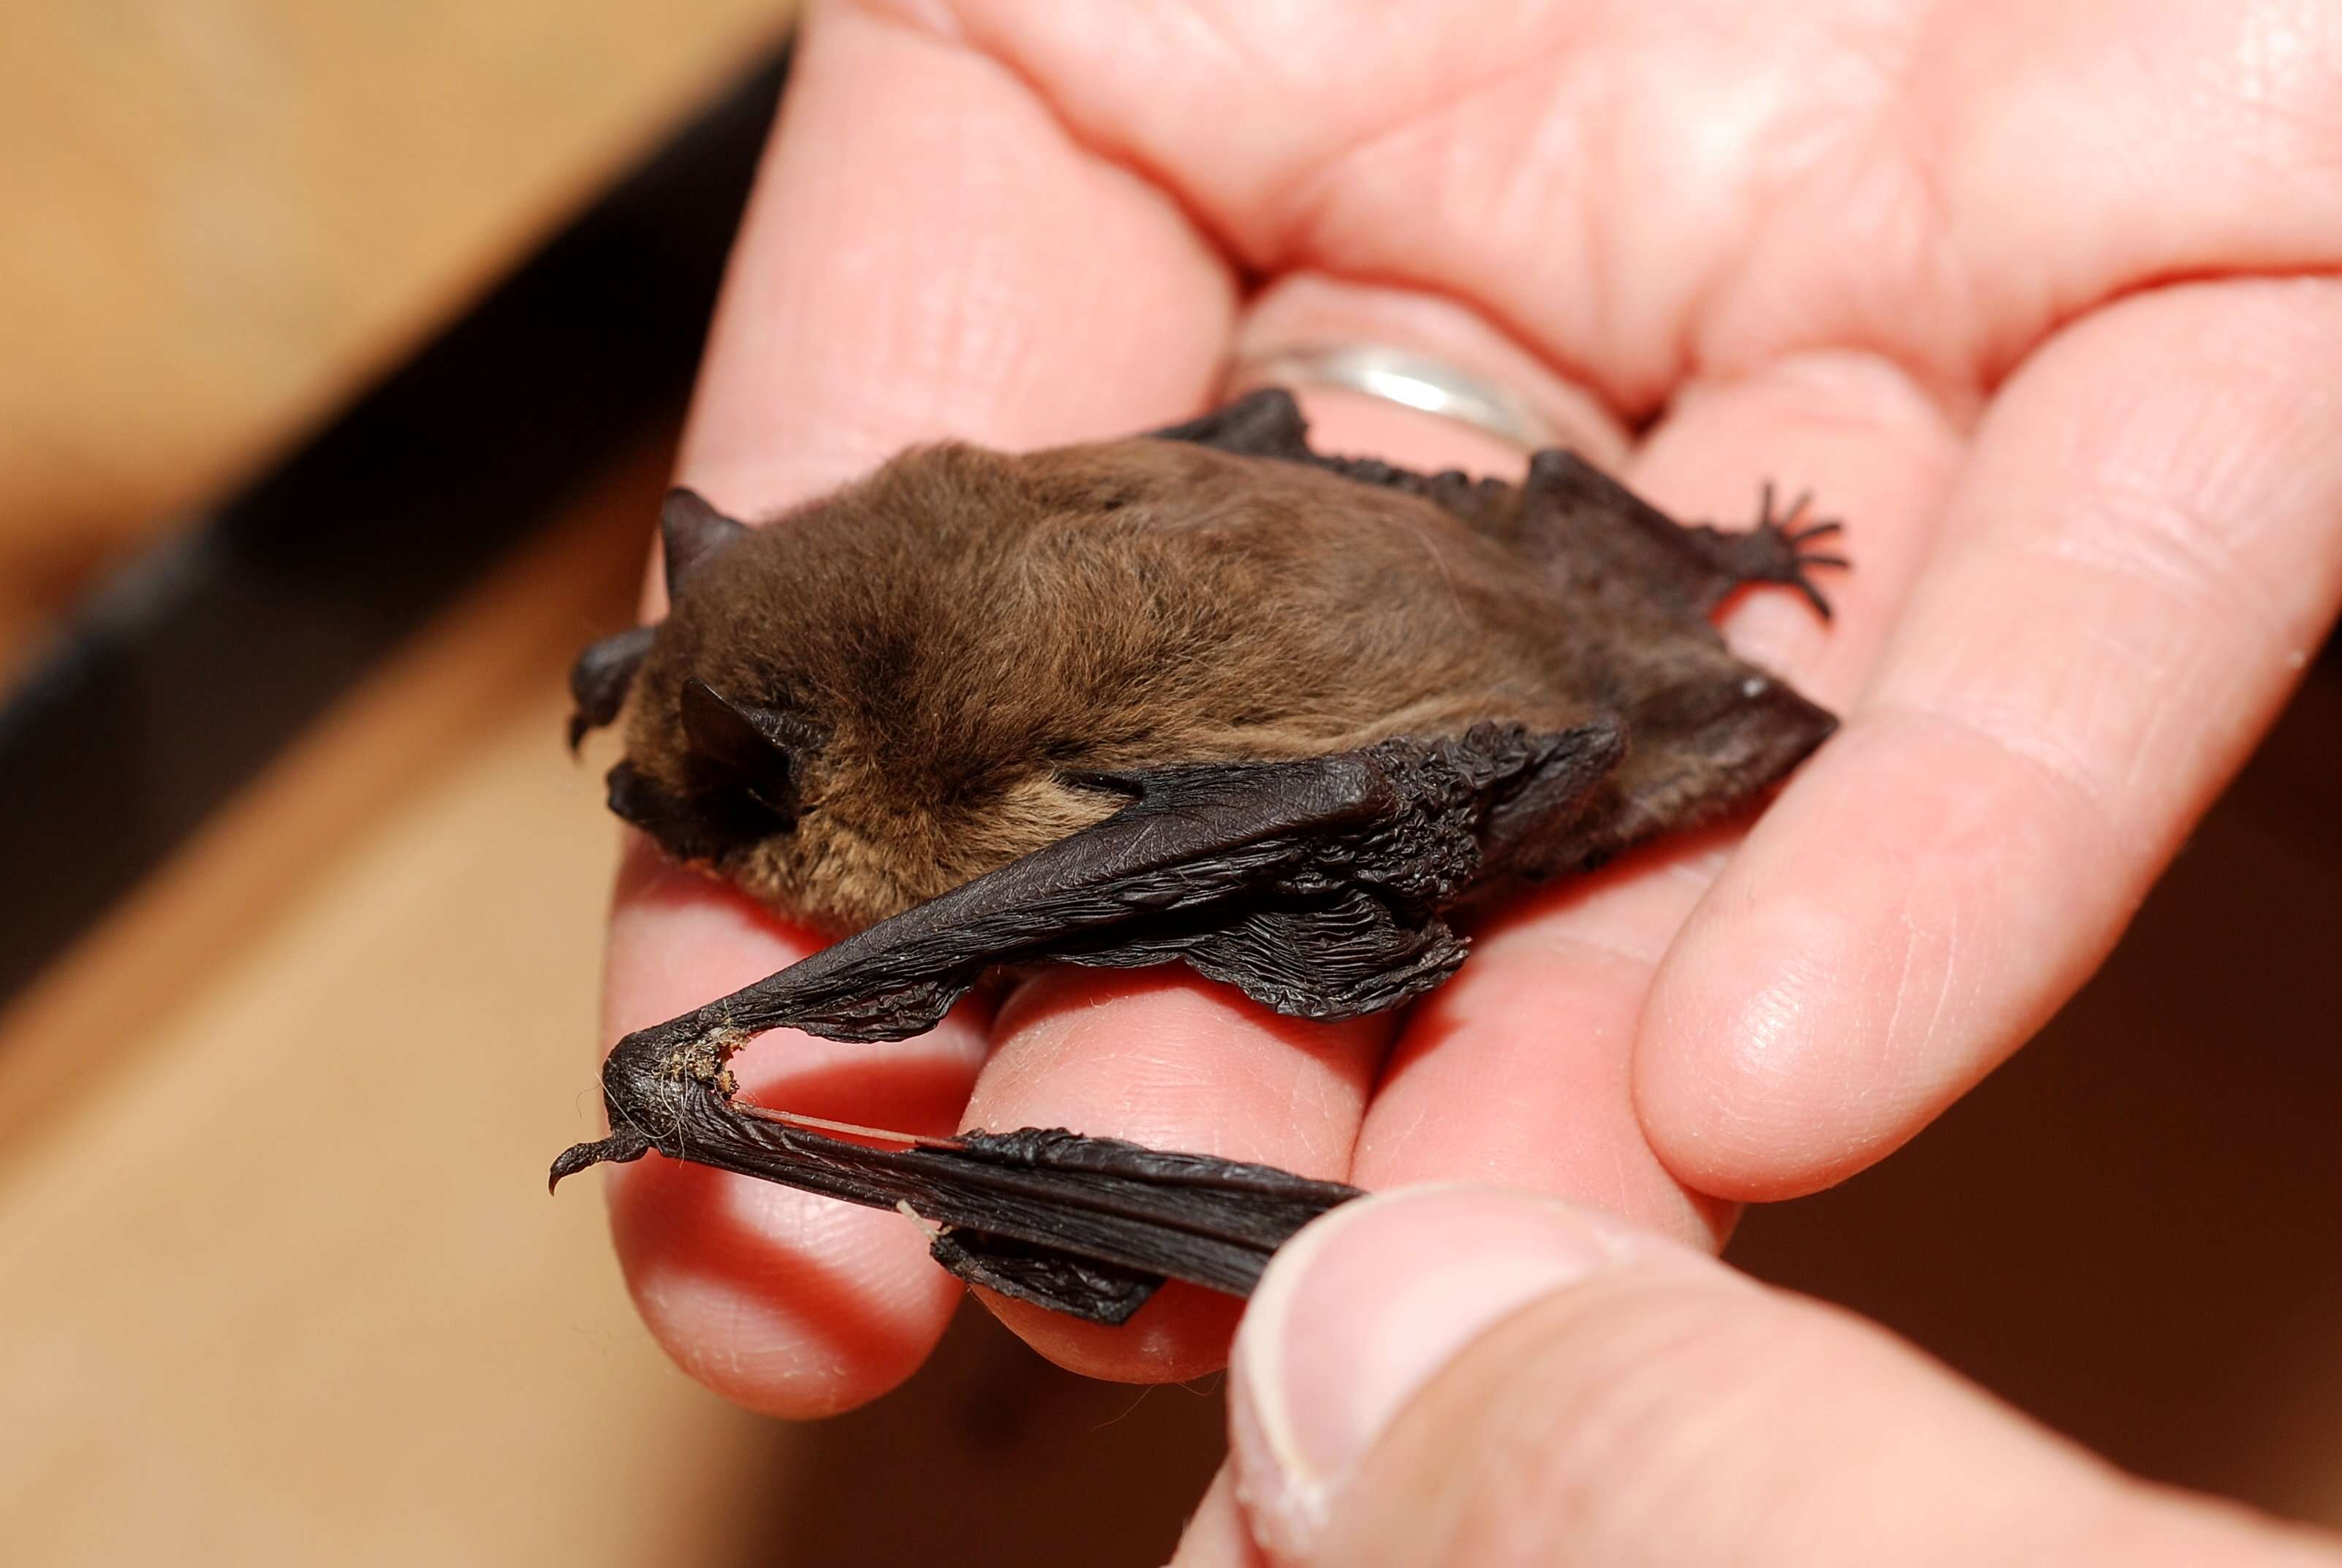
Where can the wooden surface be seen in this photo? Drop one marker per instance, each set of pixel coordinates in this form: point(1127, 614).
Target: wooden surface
point(224, 215)
point(282, 1282)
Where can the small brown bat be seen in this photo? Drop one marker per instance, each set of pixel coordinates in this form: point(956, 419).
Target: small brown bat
point(1202, 696)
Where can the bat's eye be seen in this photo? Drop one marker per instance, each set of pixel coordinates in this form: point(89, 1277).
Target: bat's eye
point(743, 750)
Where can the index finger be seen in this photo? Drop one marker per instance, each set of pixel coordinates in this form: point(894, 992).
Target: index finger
point(927, 253)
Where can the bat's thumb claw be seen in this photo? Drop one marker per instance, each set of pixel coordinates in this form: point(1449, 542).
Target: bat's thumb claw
point(617, 1149)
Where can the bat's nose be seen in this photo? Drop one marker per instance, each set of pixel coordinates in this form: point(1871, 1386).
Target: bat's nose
point(632, 798)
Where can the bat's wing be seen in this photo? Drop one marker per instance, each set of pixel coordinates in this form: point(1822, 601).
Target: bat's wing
point(1268, 424)
point(1316, 887)
point(1264, 424)
point(1564, 508)
point(1089, 1226)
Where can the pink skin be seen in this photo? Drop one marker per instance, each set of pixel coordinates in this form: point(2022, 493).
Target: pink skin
point(2002, 282)
point(1462, 1375)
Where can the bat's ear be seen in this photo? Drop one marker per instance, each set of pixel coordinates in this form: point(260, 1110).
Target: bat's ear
point(599, 679)
point(692, 531)
point(747, 748)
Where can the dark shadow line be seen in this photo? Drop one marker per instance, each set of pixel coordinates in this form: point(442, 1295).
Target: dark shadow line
point(185, 673)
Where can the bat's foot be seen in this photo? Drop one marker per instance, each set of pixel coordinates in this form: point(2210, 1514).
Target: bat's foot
point(1774, 550)
point(620, 1147)
point(647, 1082)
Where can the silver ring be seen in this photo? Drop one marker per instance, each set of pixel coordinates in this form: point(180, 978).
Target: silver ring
point(1399, 375)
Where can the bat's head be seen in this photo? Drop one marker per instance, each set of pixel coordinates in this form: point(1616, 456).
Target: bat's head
point(828, 718)
point(721, 743)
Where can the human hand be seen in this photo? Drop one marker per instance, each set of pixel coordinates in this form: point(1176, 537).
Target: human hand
point(1921, 259)
point(1474, 1375)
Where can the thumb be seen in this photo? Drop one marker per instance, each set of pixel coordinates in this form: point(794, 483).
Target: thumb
point(1470, 1375)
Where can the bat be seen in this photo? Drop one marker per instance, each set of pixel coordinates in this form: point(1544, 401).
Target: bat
point(1204, 695)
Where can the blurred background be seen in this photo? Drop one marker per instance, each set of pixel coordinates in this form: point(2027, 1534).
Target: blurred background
point(342, 349)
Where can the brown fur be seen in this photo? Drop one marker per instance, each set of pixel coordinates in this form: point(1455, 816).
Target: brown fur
point(967, 631)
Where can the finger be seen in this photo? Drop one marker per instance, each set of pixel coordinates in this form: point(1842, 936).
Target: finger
point(1944, 184)
point(1307, 309)
point(778, 1300)
point(1519, 1070)
point(1216, 1537)
point(2137, 561)
point(1174, 1063)
point(926, 254)
point(1472, 1375)
point(1177, 1064)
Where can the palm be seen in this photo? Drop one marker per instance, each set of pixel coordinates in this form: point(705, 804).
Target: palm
point(1867, 247)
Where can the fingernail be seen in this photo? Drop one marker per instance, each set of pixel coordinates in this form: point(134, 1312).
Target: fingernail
point(1362, 1309)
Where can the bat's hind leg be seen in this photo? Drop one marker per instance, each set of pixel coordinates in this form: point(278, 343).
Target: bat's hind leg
point(1704, 743)
point(1565, 504)
point(1583, 515)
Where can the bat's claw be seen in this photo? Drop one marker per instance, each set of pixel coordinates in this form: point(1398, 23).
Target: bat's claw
point(1774, 550)
point(1816, 530)
point(620, 1147)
